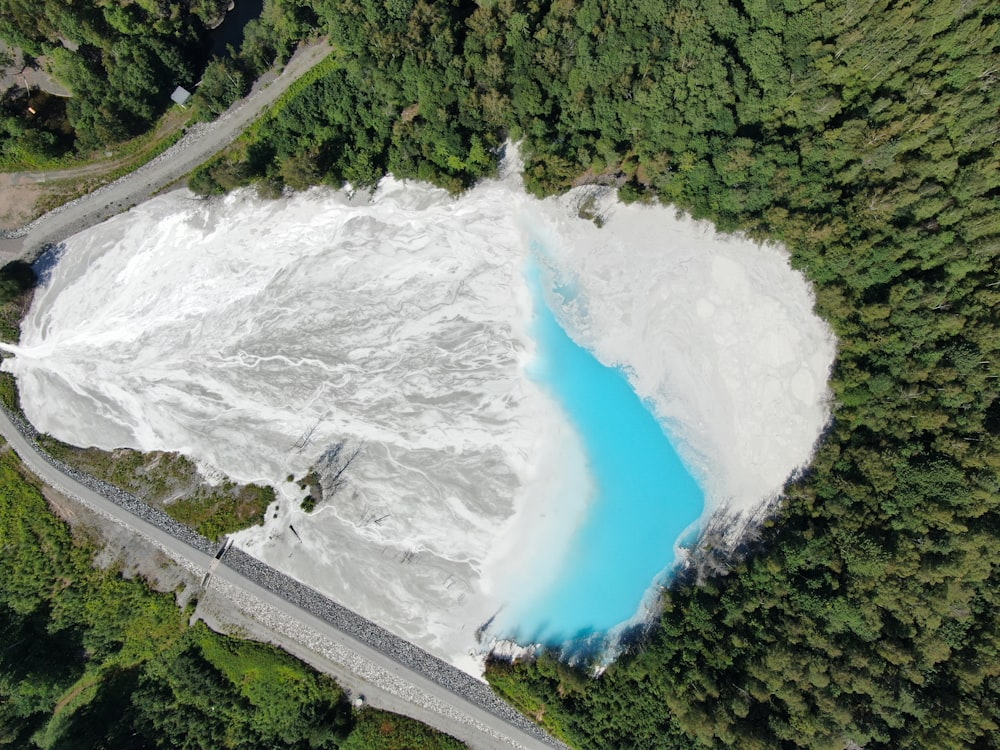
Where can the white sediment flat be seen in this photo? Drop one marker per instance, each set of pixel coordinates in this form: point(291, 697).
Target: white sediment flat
point(251, 335)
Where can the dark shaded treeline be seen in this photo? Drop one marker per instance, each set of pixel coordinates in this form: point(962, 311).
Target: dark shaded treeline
point(864, 135)
point(121, 61)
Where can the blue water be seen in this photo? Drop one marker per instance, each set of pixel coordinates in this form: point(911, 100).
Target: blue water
point(230, 31)
point(644, 497)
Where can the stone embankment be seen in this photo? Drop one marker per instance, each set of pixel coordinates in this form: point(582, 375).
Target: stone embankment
point(303, 597)
point(119, 497)
point(378, 638)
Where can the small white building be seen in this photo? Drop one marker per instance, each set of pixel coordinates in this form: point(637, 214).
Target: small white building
point(181, 95)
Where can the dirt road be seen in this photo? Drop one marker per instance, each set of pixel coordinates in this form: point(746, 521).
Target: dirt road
point(198, 145)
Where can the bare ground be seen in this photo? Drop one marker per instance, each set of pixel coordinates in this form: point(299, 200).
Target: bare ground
point(120, 548)
point(24, 196)
point(18, 197)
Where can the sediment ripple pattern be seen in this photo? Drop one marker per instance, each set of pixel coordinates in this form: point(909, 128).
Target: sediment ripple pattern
point(258, 337)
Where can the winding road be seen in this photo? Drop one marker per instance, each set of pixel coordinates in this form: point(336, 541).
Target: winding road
point(199, 144)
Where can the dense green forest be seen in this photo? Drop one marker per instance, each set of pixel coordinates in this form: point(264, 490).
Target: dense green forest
point(121, 61)
point(90, 660)
point(864, 135)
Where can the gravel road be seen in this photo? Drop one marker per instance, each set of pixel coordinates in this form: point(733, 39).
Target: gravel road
point(198, 145)
point(401, 676)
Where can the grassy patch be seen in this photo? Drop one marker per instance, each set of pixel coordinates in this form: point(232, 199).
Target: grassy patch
point(379, 730)
point(8, 392)
point(171, 123)
point(91, 660)
point(218, 511)
point(513, 682)
point(171, 482)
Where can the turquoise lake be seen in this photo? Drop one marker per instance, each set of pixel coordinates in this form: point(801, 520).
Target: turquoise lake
point(644, 498)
